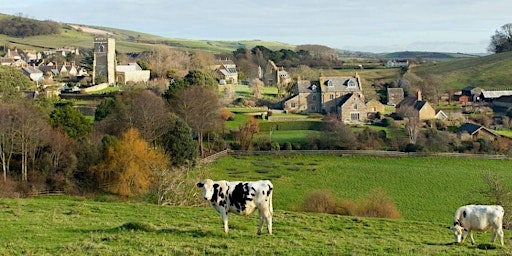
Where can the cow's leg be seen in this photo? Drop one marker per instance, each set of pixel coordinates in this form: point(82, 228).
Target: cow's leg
point(493, 236)
point(500, 234)
point(224, 216)
point(260, 225)
point(471, 237)
point(268, 217)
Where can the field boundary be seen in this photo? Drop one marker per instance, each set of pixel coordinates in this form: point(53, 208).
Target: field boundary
point(379, 153)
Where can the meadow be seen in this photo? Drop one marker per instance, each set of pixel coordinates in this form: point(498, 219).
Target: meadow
point(426, 190)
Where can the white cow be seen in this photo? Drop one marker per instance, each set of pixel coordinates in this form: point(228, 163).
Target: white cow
point(478, 218)
point(241, 198)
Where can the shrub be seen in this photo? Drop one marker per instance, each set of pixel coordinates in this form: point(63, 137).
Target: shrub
point(378, 204)
point(322, 201)
point(287, 146)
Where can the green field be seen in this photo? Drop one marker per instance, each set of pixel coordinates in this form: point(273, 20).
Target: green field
point(426, 190)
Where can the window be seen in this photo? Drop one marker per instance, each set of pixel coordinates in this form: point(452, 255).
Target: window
point(331, 97)
point(293, 105)
point(354, 116)
point(355, 106)
point(314, 97)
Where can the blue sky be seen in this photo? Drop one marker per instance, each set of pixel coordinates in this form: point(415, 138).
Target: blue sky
point(370, 25)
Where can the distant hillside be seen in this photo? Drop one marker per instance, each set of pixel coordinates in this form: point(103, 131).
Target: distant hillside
point(427, 55)
point(488, 72)
point(75, 35)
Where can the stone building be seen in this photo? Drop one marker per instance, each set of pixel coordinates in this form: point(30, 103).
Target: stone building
point(104, 64)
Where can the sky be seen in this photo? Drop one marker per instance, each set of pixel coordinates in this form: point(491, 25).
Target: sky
point(366, 25)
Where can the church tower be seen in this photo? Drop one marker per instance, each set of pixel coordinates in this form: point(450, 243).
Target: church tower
point(104, 64)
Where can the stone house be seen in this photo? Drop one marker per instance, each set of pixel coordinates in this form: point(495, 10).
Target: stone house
point(305, 100)
point(415, 106)
point(226, 71)
point(271, 74)
point(374, 106)
point(352, 109)
point(33, 73)
point(338, 95)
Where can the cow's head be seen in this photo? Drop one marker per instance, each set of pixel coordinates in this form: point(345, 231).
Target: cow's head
point(459, 232)
point(207, 186)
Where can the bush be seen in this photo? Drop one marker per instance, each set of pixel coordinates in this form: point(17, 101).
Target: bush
point(376, 204)
point(322, 201)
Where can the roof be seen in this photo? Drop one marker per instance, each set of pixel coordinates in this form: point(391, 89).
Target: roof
point(472, 129)
point(128, 67)
point(496, 94)
point(340, 84)
point(305, 86)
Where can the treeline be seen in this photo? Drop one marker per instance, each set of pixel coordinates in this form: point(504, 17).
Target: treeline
point(307, 55)
point(24, 27)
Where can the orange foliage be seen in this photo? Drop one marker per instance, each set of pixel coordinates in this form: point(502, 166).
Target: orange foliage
point(128, 167)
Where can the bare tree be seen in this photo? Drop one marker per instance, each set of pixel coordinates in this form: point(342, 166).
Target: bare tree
point(412, 123)
point(7, 137)
point(257, 87)
point(31, 128)
point(199, 107)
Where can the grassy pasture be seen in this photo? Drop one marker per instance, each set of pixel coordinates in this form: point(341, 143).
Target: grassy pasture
point(426, 191)
point(423, 188)
point(64, 226)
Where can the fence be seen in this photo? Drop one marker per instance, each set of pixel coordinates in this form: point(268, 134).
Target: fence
point(381, 153)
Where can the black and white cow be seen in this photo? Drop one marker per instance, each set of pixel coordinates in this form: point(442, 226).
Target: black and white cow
point(241, 198)
point(478, 218)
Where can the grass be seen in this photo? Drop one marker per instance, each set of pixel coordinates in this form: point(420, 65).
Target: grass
point(424, 189)
point(65, 225)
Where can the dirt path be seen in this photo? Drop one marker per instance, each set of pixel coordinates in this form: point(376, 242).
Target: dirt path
point(91, 30)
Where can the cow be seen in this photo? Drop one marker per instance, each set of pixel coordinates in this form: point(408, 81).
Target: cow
point(478, 218)
point(241, 198)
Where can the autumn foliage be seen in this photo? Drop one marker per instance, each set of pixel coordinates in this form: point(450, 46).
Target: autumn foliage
point(129, 165)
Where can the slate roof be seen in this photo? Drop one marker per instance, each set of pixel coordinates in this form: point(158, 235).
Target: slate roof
point(472, 129)
point(341, 84)
point(305, 86)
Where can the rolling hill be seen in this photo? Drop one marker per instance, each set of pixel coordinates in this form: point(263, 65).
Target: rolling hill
point(488, 72)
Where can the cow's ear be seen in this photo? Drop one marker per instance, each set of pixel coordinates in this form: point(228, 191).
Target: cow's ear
point(200, 185)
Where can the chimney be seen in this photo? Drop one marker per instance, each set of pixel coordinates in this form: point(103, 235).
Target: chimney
point(419, 96)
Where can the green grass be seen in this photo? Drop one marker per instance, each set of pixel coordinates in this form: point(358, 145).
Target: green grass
point(426, 191)
point(292, 136)
point(64, 226)
point(488, 72)
point(425, 188)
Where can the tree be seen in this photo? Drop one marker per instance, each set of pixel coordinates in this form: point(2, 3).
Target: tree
point(12, 82)
point(247, 131)
point(30, 130)
point(257, 87)
point(104, 109)
point(337, 135)
point(199, 107)
point(130, 165)
point(201, 78)
point(141, 109)
point(71, 121)
point(501, 41)
point(7, 136)
point(179, 144)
